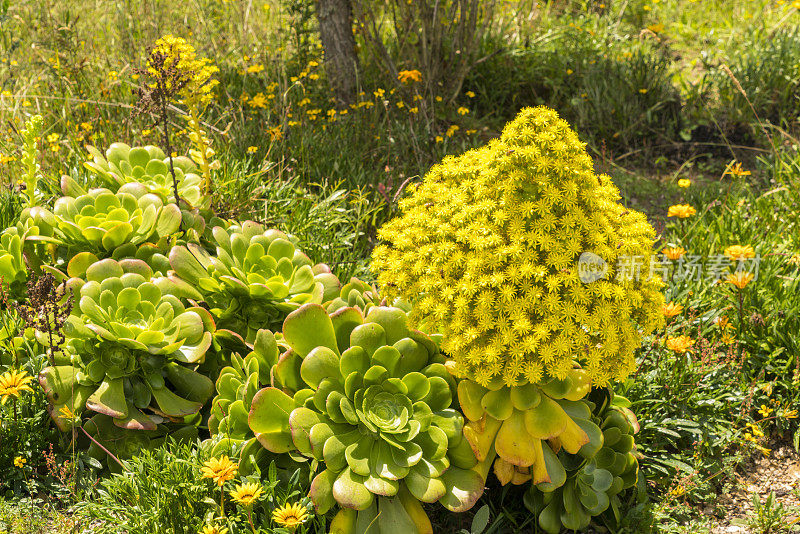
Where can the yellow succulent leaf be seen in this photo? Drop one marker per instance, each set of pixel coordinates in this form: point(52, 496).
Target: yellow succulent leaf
point(513, 443)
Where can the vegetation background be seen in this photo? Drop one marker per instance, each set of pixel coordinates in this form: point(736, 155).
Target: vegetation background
point(660, 90)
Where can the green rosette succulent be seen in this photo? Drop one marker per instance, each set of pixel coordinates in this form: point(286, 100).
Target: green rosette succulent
point(101, 220)
point(521, 428)
point(149, 166)
point(358, 294)
point(133, 347)
point(594, 478)
point(24, 241)
point(236, 387)
point(253, 278)
point(372, 400)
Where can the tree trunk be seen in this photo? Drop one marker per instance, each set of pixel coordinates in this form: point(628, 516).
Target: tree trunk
point(341, 62)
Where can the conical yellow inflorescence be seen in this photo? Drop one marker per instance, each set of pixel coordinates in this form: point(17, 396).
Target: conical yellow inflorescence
point(488, 247)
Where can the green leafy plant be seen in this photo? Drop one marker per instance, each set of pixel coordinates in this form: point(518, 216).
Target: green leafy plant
point(149, 166)
point(132, 345)
point(254, 277)
point(347, 377)
point(100, 221)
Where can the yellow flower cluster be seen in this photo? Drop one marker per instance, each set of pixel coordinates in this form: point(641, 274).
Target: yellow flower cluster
point(489, 245)
point(182, 57)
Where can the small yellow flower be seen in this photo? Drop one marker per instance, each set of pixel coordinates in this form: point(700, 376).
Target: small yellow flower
point(569, 71)
point(674, 253)
point(406, 76)
point(470, 94)
point(247, 494)
point(794, 259)
point(219, 470)
point(290, 516)
point(275, 133)
point(643, 91)
point(735, 169)
point(213, 529)
point(379, 93)
point(438, 98)
point(258, 101)
point(722, 322)
point(255, 69)
point(684, 182)
point(681, 211)
point(13, 383)
point(462, 110)
point(740, 252)
point(252, 149)
point(765, 410)
point(413, 110)
point(740, 279)
point(671, 309)
point(439, 139)
point(680, 344)
point(20, 462)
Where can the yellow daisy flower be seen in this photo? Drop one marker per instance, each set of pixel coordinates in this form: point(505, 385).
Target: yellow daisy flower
point(290, 516)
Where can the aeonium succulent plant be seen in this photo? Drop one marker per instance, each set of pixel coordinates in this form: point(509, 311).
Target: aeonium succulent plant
point(101, 221)
point(372, 400)
point(236, 387)
point(253, 277)
point(526, 425)
point(132, 346)
point(149, 166)
point(593, 479)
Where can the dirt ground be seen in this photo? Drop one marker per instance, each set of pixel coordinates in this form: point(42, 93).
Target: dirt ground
point(778, 473)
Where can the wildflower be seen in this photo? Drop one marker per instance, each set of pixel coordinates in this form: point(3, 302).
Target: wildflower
point(740, 279)
point(406, 76)
point(247, 494)
point(794, 259)
point(20, 462)
point(290, 516)
point(438, 98)
point(379, 93)
point(684, 182)
point(680, 344)
point(275, 133)
point(643, 91)
point(671, 309)
point(674, 253)
point(735, 169)
point(681, 211)
point(252, 149)
point(413, 110)
point(13, 383)
point(740, 252)
point(255, 69)
point(86, 127)
point(656, 28)
point(213, 529)
point(470, 94)
point(765, 410)
point(219, 470)
point(313, 76)
point(722, 322)
point(439, 139)
point(452, 130)
point(174, 54)
point(789, 414)
point(569, 71)
point(258, 101)
point(726, 339)
point(52, 138)
point(462, 110)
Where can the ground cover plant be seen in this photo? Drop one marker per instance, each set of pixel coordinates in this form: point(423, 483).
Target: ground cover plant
point(532, 268)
